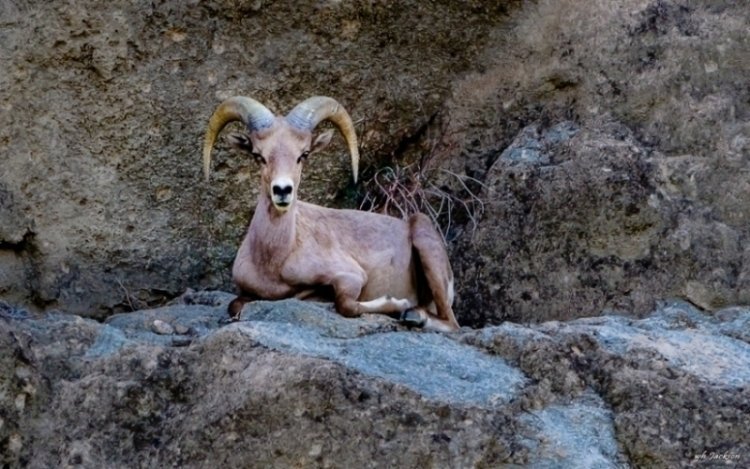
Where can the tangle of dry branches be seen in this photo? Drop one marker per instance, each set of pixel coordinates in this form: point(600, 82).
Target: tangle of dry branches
point(402, 191)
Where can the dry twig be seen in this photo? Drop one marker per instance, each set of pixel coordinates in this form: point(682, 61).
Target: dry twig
point(402, 191)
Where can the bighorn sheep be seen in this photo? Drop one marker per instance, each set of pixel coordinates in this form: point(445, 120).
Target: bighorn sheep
point(365, 262)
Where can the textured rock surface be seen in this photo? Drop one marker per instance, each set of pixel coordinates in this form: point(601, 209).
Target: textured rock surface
point(613, 143)
point(103, 106)
point(294, 384)
point(608, 142)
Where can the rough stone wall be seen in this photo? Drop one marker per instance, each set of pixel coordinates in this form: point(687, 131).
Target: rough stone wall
point(612, 141)
point(104, 106)
point(606, 146)
point(605, 142)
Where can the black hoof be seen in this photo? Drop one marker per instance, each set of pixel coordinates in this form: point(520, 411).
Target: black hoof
point(412, 318)
point(234, 310)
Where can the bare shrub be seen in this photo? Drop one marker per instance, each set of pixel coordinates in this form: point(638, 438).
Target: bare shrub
point(404, 190)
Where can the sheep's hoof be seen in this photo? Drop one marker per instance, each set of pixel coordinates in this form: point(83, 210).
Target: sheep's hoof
point(412, 318)
point(234, 310)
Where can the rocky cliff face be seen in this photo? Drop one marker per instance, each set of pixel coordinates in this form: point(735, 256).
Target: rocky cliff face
point(595, 154)
point(294, 384)
point(104, 108)
point(587, 162)
point(611, 139)
point(103, 209)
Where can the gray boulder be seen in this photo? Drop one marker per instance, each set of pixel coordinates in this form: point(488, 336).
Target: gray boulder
point(608, 145)
point(294, 384)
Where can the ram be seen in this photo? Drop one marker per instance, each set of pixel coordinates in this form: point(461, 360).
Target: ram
point(365, 262)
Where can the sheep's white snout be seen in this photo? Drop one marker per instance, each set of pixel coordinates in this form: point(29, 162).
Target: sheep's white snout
point(282, 193)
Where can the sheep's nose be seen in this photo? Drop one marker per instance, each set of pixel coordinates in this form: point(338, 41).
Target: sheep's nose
point(281, 191)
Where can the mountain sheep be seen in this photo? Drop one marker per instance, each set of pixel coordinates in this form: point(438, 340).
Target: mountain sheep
point(365, 262)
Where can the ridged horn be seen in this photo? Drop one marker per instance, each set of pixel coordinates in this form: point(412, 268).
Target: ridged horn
point(250, 112)
point(312, 111)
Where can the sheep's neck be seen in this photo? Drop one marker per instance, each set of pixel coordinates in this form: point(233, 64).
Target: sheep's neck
point(275, 233)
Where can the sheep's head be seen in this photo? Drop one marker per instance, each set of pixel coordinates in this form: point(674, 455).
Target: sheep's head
point(280, 144)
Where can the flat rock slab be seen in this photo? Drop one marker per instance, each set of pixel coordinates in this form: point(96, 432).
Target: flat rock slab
point(711, 349)
point(434, 365)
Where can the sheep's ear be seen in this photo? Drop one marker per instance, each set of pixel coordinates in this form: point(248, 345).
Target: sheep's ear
point(241, 142)
point(321, 141)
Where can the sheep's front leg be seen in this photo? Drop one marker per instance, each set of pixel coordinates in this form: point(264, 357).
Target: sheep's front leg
point(347, 280)
point(386, 305)
point(348, 287)
point(235, 306)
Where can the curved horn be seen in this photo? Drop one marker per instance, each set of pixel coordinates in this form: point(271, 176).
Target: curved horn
point(239, 108)
point(312, 111)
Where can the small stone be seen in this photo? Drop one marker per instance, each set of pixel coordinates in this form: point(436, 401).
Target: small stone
point(181, 329)
point(15, 443)
point(23, 373)
point(161, 327)
point(316, 450)
point(20, 402)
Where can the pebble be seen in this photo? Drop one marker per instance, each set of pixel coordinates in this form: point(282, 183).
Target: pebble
point(161, 327)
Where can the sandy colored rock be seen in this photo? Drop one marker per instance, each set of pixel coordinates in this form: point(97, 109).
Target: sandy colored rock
point(104, 107)
point(647, 200)
point(595, 154)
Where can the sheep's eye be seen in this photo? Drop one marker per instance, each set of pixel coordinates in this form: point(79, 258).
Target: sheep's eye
point(303, 157)
point(258, 158)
